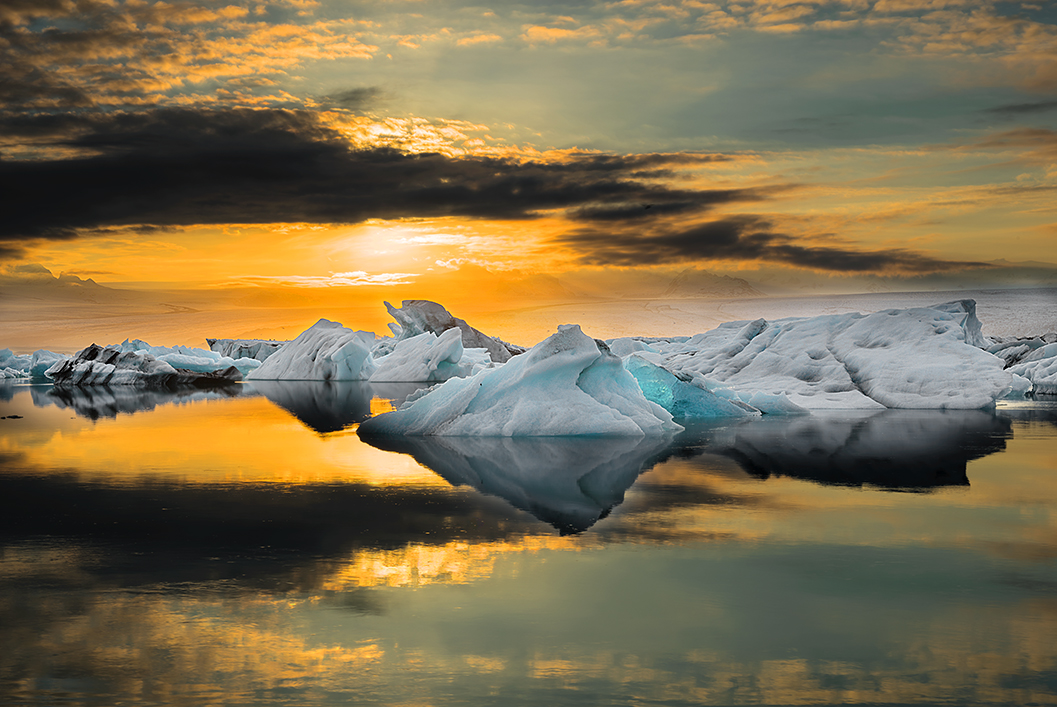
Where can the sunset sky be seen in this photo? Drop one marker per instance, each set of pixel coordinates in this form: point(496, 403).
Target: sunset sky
point(304, 143)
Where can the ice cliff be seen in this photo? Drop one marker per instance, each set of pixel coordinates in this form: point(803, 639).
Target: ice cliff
point(568, 384)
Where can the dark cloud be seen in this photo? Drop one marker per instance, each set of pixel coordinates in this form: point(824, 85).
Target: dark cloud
point(743, 237)
point(175, 167)
point(356, 98)
point(1014, 109)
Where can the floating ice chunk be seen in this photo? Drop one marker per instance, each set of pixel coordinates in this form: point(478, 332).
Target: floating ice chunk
point(421, 316)
point(8, 373)
point(426, 357)
point(324, 351)
point(257, 349)
point(1039, 367)
point(679, 396)
point(899, 358)
point(568, 384)
point(188, 358)
point(96, 365)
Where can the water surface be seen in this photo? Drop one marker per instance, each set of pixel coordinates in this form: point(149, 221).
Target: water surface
point(244, 546)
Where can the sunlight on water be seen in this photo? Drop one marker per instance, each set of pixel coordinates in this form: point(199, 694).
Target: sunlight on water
point(249, 548)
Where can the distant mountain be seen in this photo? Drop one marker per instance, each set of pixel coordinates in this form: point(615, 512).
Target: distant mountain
point(35, 282)
point(700, 283)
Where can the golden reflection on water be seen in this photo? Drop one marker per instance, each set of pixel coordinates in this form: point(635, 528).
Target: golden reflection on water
point(417, 565)
point(246, 440)
point(705, 586)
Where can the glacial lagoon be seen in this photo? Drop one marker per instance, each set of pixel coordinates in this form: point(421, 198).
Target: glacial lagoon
point(245, 546)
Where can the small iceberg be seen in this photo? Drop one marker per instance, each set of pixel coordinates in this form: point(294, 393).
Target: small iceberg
point(111, 366)
point(568, 384)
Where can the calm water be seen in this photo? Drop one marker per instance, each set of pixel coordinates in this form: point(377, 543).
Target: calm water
point(248, 548)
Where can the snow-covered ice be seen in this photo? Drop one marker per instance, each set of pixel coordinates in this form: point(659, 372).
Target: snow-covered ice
point(568, 384)
point(329, 351)
point(96, 365)
point(897, 358)
point(428, 357)
point(324, 351)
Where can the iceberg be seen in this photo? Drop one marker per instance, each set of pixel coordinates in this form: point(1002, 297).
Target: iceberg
point(421, 316)
point(568, 384)
point(918, 358)
point(33, 365)
point(325, 351)
point(1040, 367)
point(188, 358)
point(257, 349)
point(96, 365)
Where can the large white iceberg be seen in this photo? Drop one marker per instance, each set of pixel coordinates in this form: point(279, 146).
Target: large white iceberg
point(96, 365)
point(898, 358)
point(325, 351)
point(568, 384)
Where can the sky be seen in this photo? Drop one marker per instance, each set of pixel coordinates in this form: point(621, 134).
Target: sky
point(307, 144)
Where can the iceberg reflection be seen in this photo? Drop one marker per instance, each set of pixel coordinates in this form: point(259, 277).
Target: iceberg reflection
point(568, 482)
point(330, 406)
point(905, 449)
point(99, 401)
